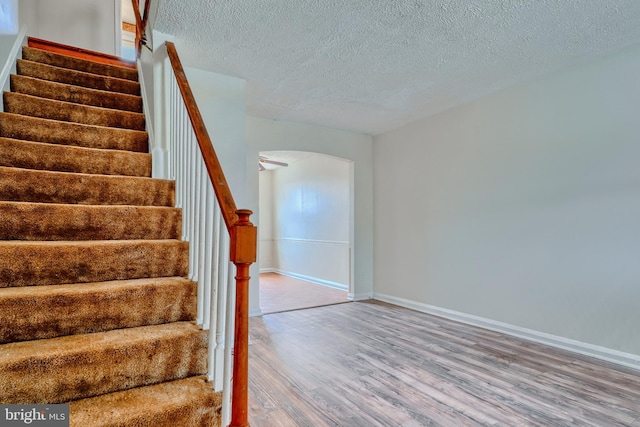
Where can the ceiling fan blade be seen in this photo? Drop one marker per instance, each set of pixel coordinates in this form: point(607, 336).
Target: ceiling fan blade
point(273, 162)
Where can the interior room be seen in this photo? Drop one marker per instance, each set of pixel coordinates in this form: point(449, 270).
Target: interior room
point(321, 213)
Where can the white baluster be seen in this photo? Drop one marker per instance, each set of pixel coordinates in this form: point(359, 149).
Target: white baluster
point(204, 228)
point(184, 166)
point(226, 273)
point(218, 285)
point(202, 236)
point(169, 88)
point(228, 353)
point(207, 266)
point(193, 193)
point(203, 290)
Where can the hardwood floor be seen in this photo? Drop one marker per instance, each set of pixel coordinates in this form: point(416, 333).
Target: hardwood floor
point(373, 364)
point(281, 293)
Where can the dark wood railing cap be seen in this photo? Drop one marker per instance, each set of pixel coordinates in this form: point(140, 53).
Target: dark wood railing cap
point(219, 181)
point(243, 217)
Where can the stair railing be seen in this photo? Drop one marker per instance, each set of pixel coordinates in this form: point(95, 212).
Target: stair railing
point(220, 236)
point(217, 233)
point(141, 23)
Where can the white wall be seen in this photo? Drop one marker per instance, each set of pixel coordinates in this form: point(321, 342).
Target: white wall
point(271, 135)
point(522, 207)
point(89, 24)
point(9, 20)
point(222, 103)
point(27, 12)
point(266, 238)
point(310, 220)
point(12, 36)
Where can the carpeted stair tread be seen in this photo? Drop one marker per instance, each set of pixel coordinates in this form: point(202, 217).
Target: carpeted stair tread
point(40, 312)
point(34, 106)
point(78, 78)
point(65, 61)
point(189, 402)
point(87, 222)
point(24, 263)
point(27, 185)
point(66, 158)
point(77, 94)
point(79, 366)
point(78, 52)
point(96, 307)
point(66, 133)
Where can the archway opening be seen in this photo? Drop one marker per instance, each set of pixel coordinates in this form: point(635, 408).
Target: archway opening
point(306, 229)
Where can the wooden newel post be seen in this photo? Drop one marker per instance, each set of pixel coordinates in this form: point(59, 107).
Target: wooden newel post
point(243, 254)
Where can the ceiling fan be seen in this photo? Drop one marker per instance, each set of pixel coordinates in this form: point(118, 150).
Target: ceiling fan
point(263, 159)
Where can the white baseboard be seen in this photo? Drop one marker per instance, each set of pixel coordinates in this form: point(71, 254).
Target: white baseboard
point(327, 283)
point(614, 356)
point(255, 313)
point(359, 297)
point(145, 105)
point(159, 163)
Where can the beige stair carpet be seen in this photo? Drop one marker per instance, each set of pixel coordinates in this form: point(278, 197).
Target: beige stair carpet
point(27, 185)
point(35, 106)
point(80, 135)
point(79, 95)
point(66, 158)
point(78, 78)
point(96, 308)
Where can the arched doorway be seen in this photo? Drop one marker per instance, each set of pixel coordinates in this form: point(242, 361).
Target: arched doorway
point(306, 229)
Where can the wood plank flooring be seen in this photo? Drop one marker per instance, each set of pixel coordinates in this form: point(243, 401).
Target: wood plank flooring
point(373, 364)
point(282, 293)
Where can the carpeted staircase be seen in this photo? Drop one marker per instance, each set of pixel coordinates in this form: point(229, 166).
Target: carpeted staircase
point(95, 306)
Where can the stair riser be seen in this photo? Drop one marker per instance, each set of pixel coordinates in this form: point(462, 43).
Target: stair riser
point(188, 402)
point(78, 78)
point(68, 62)
point(27, 105)
point(79, 53)
point(22, 185)
point(54, 132)
point(52, 311)
point(79, 95)
point(55, 376)
point(95, 305)
point(50, 263)
point(55, 222)
point(63, 158)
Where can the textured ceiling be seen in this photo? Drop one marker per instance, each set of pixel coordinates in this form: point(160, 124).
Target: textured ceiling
point(374, 65)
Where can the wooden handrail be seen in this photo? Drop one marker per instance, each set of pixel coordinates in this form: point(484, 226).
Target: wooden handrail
point(223, 193)
point(141, 23)
point(139, 27)
point(243, 244)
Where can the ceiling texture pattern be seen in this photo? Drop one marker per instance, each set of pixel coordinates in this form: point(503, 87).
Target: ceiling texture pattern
point(375, 65)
